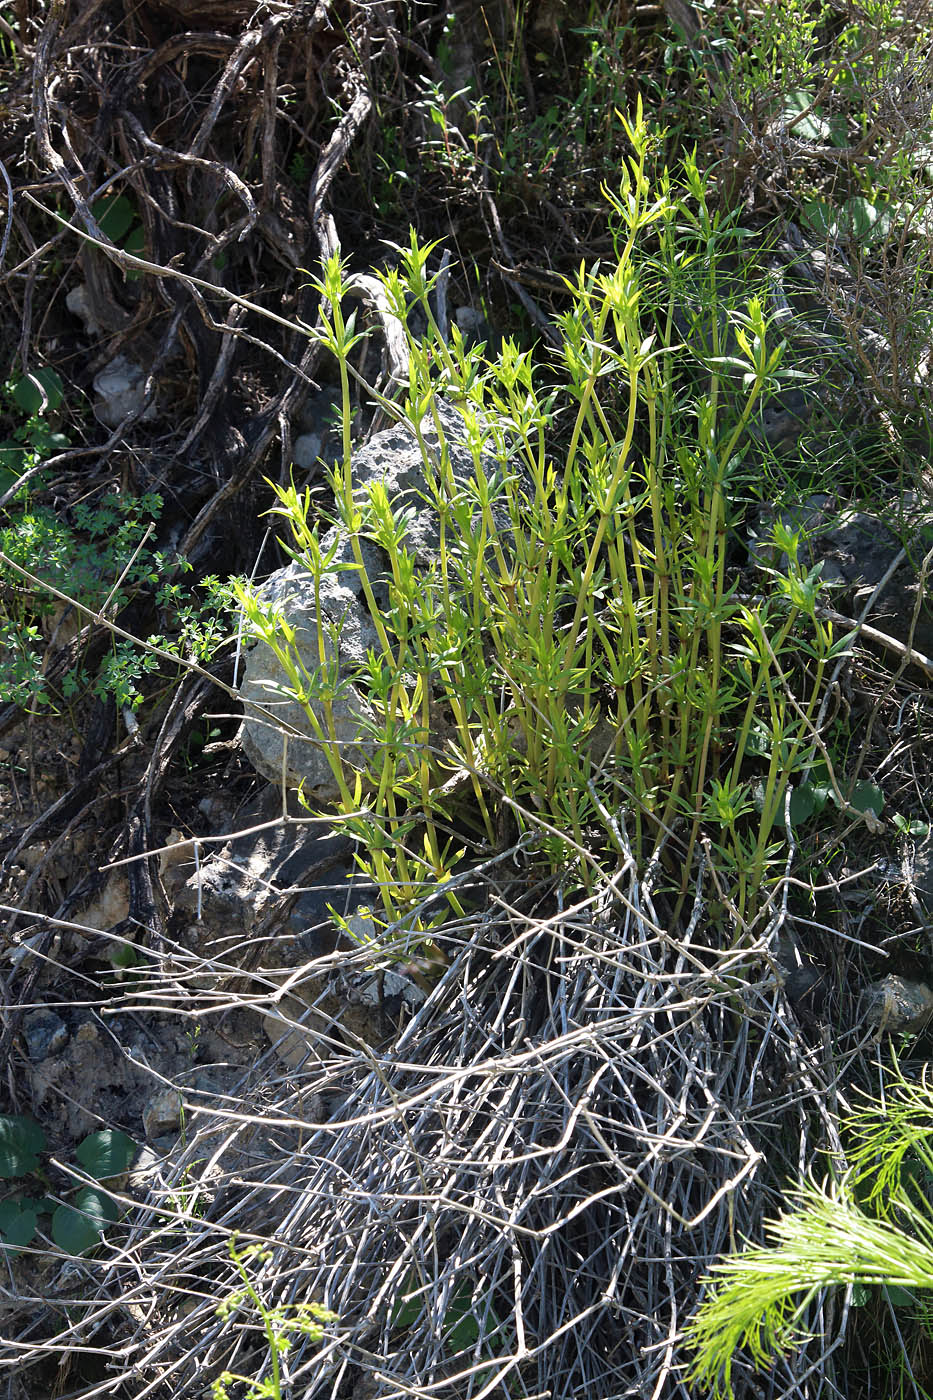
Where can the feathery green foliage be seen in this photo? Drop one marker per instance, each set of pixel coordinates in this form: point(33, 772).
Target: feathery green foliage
point(592, 651)
point(874, 1225)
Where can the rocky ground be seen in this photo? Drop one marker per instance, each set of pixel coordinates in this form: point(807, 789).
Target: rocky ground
point(504, 1168)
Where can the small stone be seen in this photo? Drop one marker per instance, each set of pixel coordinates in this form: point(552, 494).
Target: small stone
point(45, 1034)
point(783, 418)
point(306, 450)
point(475, 329)
point(121, 390)
point(162, 1114)
point(469, 320)
point(110, 907)
point(78, 302)
point(145, 1168)
point(896, 1007)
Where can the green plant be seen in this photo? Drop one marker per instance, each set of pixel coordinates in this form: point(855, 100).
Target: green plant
point(118, 218)
point(299, 168)
point(279, 1324)
point(579, 623)
point(188, 1199)
point(454, 152)
point(574, 135)
point(469, 1323)
point(95, 553)
point(98, 557)
point(845, 107)
point(9, 34)
point(871, 1227)
point(34, 395)
point(76, 1225)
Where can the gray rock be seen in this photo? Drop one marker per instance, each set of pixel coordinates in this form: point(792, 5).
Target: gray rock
point(783, 418)
point(342, 888)
point(44, 1033)
point(292, 1040)
point(120, 389)
point(228, 897)
point(306, 450)
point(145, 1171)
point(349, 1006)
point(392, 458)
point(856, 549)
point(87, 1082)
point(78, 302)
point(162, 1114)
point(469, 321)
point(348, 635)
point(895, 1006)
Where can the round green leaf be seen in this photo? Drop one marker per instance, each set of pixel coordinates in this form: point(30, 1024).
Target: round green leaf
point(461, 1328)
point(12, 457)
point(115, 214)
point(814, 126)
point(856, 219)
point(78, 1228)
point(124, 955)
point(862, 221)
point(17, 1222)
point(817, 215)
point(21, 1139)
point(867, 798)
point(98, 1204)
point(73, 1232)
point(106, 1154)
point(40, 390)
point(802, 805)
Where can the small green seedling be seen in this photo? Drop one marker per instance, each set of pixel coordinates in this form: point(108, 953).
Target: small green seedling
point(810, 797)
point(36, 395)
point(77, 1225)
point(462, 1329)
point(280, 1324)
point(868, 1229)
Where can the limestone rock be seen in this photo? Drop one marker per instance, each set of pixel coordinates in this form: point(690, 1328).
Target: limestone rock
point(394, 459)
point(121, 389)
point(306, 450)
point(856, 549)
point(233, 889)
point(44, 1033)
point(895, 1006)
point(162, 1114)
